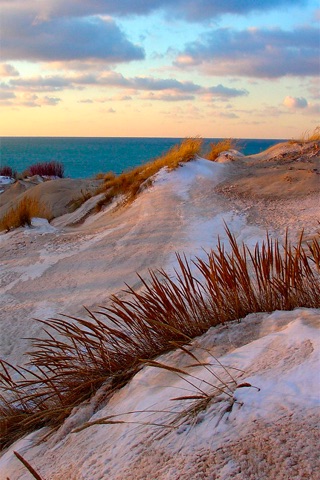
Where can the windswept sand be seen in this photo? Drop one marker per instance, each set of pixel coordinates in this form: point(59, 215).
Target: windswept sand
point(81, 260)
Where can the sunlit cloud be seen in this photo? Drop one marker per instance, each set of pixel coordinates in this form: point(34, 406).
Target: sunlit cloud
point(295, 102)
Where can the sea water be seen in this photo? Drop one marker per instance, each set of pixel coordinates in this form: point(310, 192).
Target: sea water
point(85, 157)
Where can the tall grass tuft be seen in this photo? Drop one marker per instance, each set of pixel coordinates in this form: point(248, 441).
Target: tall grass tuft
point(7, 171)
point(46, 169)
point(22, 214)
point(130, 183)
point(219, 147)
point(78, 355)
point(309, 137)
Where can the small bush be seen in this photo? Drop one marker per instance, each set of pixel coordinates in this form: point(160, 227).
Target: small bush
point(7, 171)
point(22, 214)
point(80, 355)
point(219, 147)
point(46, 169)
point(130, 183)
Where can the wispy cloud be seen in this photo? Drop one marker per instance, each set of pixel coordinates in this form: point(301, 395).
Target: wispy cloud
point(174, 89)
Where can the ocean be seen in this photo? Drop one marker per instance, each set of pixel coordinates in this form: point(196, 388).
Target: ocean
point(85, 157)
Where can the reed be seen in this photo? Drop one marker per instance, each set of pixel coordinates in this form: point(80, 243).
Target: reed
point(79, 355)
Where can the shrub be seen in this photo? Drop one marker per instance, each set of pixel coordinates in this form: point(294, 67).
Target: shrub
point(80, 355)
point(7, 171)
point(22, 214)
point(219, 147)
point(49, 169)
point(130, 183)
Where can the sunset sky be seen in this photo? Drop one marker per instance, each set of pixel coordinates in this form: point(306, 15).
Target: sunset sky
point(166, 68)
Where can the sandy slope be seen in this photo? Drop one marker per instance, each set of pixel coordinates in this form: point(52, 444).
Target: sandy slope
point(58, 268)
point(269, 432)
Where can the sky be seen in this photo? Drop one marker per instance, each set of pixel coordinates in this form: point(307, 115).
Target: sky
point(159, 68)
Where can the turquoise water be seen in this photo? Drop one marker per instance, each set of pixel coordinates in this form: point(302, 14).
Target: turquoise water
point(85, 157)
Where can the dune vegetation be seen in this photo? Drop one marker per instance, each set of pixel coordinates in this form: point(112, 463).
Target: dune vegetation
point(45, 169)
point(79, 355)
point(129, 184)
point(308, 136)
point(217, 148)
point(6, 171)
point(22, 214)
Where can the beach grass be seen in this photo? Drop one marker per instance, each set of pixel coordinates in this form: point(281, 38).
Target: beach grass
point(129, 184)
point(308, 136)
point(79, 355)
point(22, 214)
point(222, 146)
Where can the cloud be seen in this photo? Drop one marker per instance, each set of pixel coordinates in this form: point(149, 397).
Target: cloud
point(48, 83)
point(65, 39)
point(226, 92)
point(191, 10)
point(314, 88)
point(168, 97)
point(169, 85)
point(164, 89)
point(228, 115)
point(254, 52)
point(7, 70)
point(51, 101)
point(295, 102)
point(5, 95)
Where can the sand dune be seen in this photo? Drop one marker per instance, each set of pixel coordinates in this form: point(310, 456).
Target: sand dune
point(81, 258)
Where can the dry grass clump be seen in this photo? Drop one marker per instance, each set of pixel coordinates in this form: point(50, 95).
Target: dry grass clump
point(46, 169)
point(22, 213)
point(78, 356)
point(309, 137)
point(105, 176)
point(6, 171)
point(130, 183)
point(219, 147)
